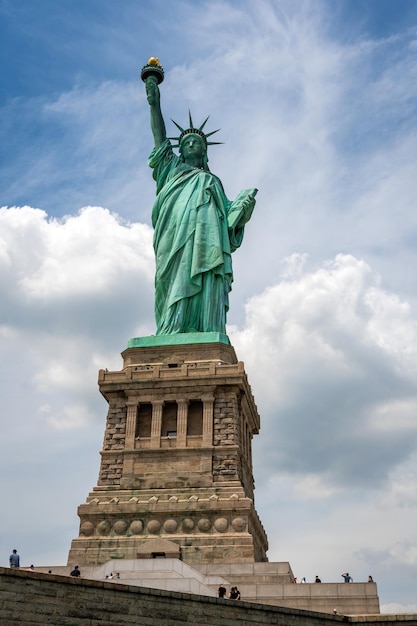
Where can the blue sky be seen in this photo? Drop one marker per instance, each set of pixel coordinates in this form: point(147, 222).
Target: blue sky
point(316, 102)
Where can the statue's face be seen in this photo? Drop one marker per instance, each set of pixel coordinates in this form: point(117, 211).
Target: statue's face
point(193, 149)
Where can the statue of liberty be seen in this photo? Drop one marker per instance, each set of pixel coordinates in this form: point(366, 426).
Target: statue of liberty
point(196, 227)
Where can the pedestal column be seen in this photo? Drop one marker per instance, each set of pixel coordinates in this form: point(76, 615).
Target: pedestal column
point(131, 419)
point(208, 402)
point(157, 406)
point(182, 423)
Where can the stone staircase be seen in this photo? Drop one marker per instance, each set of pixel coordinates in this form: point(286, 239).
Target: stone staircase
point(159, 573)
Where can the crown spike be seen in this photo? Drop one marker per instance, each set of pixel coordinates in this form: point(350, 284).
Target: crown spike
point(191, 119)
point(212, 132)
point(204, 123)
point(177, 125)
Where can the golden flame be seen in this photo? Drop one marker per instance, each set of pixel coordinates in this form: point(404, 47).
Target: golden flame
point(154, 61)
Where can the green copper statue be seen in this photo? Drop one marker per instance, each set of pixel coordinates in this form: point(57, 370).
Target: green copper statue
point(196, 226)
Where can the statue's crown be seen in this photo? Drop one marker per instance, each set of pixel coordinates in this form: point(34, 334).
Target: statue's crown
point(193, 130)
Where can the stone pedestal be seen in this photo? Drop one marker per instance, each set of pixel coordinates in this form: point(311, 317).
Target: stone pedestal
point(176, 466)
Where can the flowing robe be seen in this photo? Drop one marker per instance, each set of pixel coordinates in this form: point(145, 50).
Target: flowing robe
point(193, 245)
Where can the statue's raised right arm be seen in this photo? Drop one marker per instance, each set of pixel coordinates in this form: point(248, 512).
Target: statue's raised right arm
point(157, 121)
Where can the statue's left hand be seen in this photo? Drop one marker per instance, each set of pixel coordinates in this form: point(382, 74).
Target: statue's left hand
point(247, 205)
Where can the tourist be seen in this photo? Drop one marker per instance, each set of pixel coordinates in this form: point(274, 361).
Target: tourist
point(30, 569)
point(317, 580)
point(76, 572)
point(14, 559)
point(303, 580)
point(370, 579)
point(234, 593)
point(347, 577)
point(222, 591)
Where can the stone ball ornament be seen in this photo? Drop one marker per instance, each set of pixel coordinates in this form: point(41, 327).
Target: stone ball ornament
point(120, 527)
point(238, 524)
point(221, 524)
point(87, 529)
point(204, 525)
point(153, 526)
point(187, 524)
point(103, 527)
point(170, 525)
point(136, 527)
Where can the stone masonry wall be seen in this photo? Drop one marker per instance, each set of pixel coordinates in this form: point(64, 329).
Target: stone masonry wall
point(225, 413)
point(225, 435)
point(114, 437)
point(111, 468)
point(34, 599)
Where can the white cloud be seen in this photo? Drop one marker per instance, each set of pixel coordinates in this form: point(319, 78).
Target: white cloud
point(401, 492)
point(329, 356)
point(307, 487)
point(74, 290)
point(73, 256)
point(63, 270)
point(71, 416)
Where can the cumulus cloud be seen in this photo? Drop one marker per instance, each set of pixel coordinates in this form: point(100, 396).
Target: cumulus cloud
point(74, 290)
point(60, 268)
point(332, 358)
point(70, 416)
point(401, 491)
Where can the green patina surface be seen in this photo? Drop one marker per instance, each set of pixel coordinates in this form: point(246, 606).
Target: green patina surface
point(196, 230)
point(177, 339)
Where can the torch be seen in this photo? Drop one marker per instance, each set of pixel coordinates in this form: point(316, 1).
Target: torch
point(152, 68)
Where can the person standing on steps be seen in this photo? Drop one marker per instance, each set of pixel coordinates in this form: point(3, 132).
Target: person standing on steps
point(14, 559)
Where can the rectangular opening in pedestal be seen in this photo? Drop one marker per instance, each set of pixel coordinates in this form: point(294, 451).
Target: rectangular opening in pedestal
point(169, 418)
point(195, 418)
point(144, 420)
